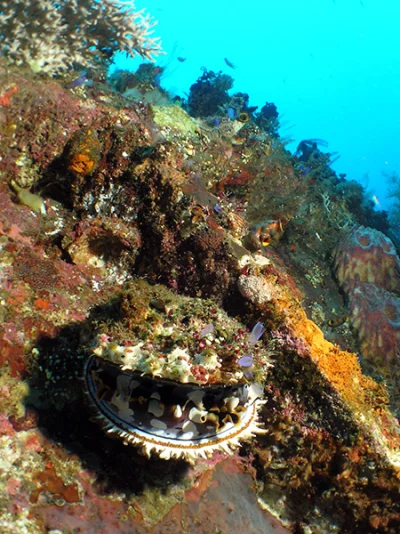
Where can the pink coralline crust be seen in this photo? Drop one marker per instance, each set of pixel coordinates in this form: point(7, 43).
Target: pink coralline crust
point(12, 334)
point(51, 123)
point(12, 356)
point(6, 427)
point(375, 314)
point(39, 290)
point(12, 486)
point(94, 514)
point(367, 255)
point(14, 222)
point(56, 114)
point(221, 500)
point(288, 340)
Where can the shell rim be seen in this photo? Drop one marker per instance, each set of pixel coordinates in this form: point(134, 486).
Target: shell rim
point(166, 448)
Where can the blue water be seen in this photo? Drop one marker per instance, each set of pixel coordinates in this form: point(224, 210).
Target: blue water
point(332, 67)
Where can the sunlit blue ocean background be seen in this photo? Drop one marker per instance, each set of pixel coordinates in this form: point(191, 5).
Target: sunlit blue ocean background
point(332, 67)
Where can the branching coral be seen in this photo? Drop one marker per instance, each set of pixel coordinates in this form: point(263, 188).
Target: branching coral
point(54, 36)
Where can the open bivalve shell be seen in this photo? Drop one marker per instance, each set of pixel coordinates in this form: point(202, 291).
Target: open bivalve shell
point(176, 376)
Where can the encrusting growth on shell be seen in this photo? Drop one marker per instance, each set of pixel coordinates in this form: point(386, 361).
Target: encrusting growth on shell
point(174, 385)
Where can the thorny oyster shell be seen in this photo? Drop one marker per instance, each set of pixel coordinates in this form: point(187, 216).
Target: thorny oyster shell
point(167, 377)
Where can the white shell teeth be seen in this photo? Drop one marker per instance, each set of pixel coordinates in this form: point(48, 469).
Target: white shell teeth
point(156, 408)
point(189, 428)
point(197, 398)
point(231, 403)
point(227, 419)
point(177, 413)
point(198, 416)
point(213, 420)
point(173, 423)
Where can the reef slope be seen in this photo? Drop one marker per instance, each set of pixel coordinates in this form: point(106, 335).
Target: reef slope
point(100, 195)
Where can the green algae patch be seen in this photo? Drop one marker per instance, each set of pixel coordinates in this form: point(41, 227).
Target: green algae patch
point(175, 118)
point(34, 202)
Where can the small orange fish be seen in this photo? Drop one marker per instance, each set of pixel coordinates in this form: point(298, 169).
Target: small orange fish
point(337, 321)
point(263, 234)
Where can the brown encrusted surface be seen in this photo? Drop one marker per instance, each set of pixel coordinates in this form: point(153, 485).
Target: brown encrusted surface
point(330, 459)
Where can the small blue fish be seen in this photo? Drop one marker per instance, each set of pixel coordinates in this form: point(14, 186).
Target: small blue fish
point(229, 63)
point(303, 169)
point(376, 200)
point(78, 81)
point(231, 113)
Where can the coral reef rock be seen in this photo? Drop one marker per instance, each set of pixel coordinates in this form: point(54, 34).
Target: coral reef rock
point(129, 295)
